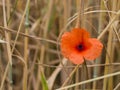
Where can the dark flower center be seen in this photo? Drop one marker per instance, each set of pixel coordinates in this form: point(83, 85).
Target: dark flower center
point(80, 47)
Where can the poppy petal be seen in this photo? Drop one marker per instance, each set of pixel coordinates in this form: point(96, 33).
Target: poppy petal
point(67, 44)
point(94, 51)
point(76, 58)
point(80, 34)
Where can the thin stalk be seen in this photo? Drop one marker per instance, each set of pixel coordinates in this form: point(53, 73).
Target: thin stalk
point(10, 65)
point(110, 48)
point(80, 19)
point(100, 28)
point(66, 4)
point(77, 75)
point(117, 86)
point(84, 73)
point(7, 37)
point(19, 28)
point(5, 75)
point(42, 51)
point(25, 73)
point(107, 69)
point(11, 14)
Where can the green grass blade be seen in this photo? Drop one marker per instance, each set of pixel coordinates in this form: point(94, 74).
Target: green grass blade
point(44, 82)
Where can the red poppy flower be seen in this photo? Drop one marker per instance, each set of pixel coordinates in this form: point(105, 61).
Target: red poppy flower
point(77, 45)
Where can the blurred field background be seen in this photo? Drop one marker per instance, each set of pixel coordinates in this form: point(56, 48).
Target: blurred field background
point(30, 57)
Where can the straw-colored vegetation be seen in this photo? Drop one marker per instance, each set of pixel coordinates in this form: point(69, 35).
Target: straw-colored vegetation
point(30, 33)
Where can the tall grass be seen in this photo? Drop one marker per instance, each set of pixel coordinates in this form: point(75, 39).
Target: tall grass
point(30, 57)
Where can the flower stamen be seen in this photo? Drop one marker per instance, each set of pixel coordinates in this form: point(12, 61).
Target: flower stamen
point(80, 47)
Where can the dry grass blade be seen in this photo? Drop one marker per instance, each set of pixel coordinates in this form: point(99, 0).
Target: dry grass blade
point(88, 81)
point(107, 27)
point(29, 36)
point(2, 41)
